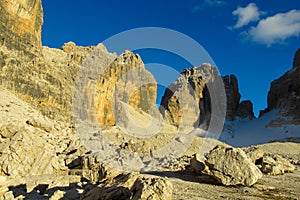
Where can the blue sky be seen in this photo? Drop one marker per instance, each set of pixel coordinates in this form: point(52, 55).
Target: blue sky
point(255, 40)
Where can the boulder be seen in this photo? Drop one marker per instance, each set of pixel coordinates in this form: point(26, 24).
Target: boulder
point(231, 166)
point(152, 188)
point(95, 171)
point(276, 165)
point(254, 153)
point(131, 186)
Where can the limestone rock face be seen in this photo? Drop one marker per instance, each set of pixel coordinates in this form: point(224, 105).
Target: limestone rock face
point(231, 166)
point(21, 23)
point(186, 102)
point(47, 80)
point(39, 75)
point(125, 80)
point(284, 94)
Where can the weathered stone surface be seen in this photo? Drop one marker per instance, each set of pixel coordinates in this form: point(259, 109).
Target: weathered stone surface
point(284, 95)
point(186, 102)
point(39, 75)
point(131, 186)
point(36, 144)
point(21, 23)
point(276, 165)
point(254, 153)
point(231, 166)
point(96, 171)
point(45, 81)
point(152, 188)
point(126, 80)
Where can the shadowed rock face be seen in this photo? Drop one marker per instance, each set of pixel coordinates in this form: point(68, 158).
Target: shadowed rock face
point(296, 62)
point(284, 94)
point(245, 110)
point(233, 95)
point(21, 23)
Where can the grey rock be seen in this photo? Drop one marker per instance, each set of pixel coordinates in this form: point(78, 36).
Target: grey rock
point(231, 166)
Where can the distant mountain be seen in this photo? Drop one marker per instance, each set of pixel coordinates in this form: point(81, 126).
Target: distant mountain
point(284, 94)
point(280, 121)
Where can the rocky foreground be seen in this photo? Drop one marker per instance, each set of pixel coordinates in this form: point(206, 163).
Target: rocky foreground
point(44, 159)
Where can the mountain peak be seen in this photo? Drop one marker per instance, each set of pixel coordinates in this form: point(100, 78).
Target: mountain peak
point(296, 62)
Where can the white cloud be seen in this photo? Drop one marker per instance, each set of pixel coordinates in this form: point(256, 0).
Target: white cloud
point(213, 3)
point(276, 28)
point(246, 15)
point(208, 3)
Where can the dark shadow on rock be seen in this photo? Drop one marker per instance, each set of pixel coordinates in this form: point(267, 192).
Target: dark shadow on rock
point(288, 139)
point(43, 192)
point(186, 175)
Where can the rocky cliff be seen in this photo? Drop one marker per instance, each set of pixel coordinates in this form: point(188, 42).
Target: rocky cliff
point(284, 94)
point(233, 95)
point(46, 79)
point(296, 61)
point(21, 23)
point(187, 100)
point(45, 76)
point(235, 108)
point(125, 80)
